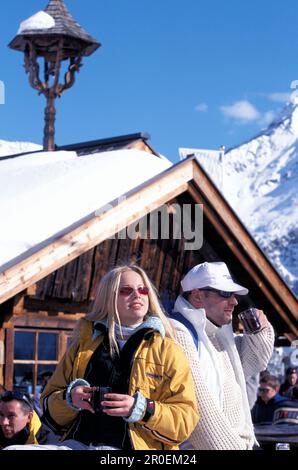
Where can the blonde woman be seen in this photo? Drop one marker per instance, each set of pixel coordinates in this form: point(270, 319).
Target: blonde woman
point(125, 343)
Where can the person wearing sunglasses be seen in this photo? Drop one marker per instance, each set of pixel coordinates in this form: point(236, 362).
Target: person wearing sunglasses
point(125, 343)
point(221, 363)
point(269, 399)
point(19, 423)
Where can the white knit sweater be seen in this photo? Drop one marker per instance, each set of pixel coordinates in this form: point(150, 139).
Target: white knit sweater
point(225, 425)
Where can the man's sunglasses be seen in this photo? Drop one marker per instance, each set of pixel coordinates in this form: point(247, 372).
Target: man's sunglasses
point(12, 395)
point(221, 293)
point(127, 291)
point(262, 389)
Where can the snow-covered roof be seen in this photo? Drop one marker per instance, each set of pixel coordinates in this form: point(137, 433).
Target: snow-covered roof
point(41, 20)
point(12, 148)
point(210, 160)
point(54, 20)
point(42, 194)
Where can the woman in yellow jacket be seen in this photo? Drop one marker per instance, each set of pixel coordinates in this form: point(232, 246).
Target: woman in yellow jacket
point(126, 344)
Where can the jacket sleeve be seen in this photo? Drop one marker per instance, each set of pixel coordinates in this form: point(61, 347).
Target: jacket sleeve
point(175, 414)
point(255, 350)
point(57, 413)
point(214, 431)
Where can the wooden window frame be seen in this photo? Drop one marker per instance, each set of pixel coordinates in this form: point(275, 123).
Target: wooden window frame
point(10, 361)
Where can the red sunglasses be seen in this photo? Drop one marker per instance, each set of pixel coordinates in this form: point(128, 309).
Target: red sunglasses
point(126, 291)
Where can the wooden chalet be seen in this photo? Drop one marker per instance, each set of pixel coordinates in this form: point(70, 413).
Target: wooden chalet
point(46, 291)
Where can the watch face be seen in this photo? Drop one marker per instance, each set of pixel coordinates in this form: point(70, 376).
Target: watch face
point(150, 409)
point(150, 406)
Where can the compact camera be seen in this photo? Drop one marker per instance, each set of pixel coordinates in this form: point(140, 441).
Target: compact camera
point(98, 397)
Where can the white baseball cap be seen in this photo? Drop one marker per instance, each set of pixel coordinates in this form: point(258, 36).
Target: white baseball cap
point(215, 275)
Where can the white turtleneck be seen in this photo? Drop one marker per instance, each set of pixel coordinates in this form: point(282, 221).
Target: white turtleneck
point(122, 333)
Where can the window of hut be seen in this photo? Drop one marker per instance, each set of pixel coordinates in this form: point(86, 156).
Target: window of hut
point(33, 352)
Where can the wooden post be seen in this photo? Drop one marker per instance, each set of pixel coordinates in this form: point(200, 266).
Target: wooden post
point(2, 356)
point(49, 128)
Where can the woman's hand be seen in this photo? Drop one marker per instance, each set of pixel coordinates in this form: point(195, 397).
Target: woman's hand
point(117, 404)
point(81, 397)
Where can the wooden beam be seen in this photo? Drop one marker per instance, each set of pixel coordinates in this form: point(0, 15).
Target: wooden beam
point(141, 145)
point(2, 355)
point(54, 305)
point(9, 352)
point(32, 320)
point(72, 244)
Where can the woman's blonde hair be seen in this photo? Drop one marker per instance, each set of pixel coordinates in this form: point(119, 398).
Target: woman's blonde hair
point(105, 303)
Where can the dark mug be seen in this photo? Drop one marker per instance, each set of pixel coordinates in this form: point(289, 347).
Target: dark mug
point(98, 397)
point(250, 320)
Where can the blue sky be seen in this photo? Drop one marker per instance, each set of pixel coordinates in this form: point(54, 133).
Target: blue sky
point(191, 73)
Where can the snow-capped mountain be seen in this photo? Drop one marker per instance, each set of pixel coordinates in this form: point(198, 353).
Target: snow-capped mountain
point(259, 179)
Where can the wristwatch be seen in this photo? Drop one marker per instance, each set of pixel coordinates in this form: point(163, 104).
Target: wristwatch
point(150, 409)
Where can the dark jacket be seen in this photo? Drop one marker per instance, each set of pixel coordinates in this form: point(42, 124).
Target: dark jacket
point(263, 412)
point(285, 387)
point(286, 412)
point(34, 433)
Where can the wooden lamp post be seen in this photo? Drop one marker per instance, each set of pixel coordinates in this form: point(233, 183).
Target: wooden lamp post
point(54, 36)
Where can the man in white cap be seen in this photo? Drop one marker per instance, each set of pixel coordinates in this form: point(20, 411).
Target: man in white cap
point(220, 362)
